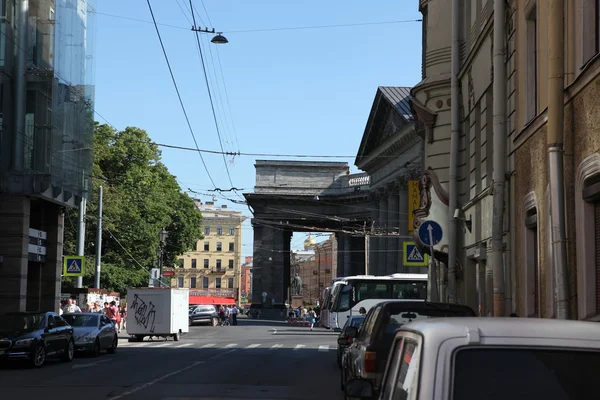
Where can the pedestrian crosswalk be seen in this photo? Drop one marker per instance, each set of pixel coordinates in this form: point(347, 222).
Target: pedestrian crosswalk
point(247, 346)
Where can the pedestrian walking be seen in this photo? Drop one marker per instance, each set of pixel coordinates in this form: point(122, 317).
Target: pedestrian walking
point(312, 316)
point(112, 312)
point(234, 314)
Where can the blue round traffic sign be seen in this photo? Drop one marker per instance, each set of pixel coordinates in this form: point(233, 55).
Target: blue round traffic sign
point(430, 233)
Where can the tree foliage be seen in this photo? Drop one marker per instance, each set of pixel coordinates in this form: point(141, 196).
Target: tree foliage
point(140, 197)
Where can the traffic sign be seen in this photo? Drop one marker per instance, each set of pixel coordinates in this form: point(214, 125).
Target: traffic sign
point(430, 233)
point(412, 256)
point(73, 265)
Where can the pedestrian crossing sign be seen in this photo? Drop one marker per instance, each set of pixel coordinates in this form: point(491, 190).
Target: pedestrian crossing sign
point(412, 257)
point(73, 265)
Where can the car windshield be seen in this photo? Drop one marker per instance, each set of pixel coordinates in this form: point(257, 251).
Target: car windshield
point(79, 320)
point(22, 322)
point(495, 374)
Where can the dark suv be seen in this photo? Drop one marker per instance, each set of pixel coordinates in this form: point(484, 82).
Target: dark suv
point(34, 337)
point(366, 357)
point(203, 314)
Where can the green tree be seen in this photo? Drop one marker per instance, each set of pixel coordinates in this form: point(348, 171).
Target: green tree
point(140, 197)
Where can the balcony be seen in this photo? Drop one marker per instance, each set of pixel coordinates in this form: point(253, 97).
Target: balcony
point(218, 270)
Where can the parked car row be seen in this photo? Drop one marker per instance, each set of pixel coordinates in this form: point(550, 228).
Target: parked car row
point(34, 337)
point(409, 350)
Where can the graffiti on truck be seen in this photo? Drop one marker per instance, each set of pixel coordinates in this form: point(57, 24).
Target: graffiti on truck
point(144, 313)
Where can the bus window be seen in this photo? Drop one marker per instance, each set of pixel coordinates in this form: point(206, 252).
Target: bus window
point(410, 290)
point(345, 302)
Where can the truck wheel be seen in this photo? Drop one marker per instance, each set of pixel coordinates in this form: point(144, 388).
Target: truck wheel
point(176, 337)
point(140, 338)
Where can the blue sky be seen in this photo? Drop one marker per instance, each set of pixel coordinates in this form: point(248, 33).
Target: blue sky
point(291, 91)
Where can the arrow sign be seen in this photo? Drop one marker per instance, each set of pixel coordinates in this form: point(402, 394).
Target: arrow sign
point(430, 233)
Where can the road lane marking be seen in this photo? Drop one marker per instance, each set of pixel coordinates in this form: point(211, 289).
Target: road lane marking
point(324, 348)
point(253, 346)
point(208, 345)
point(276, 346)
point(183, 345)
point(299, 346)
point(273, 330)
point(148, 384)
point(163, 345)
point(229, 346)
point(89, 364)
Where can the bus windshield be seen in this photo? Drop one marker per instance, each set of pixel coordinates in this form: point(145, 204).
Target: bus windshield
point(356, 291)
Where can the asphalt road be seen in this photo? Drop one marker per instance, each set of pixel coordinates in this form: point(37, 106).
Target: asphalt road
point(254, 360)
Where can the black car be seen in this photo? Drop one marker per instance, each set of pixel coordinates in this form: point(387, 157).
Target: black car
point(34, 337)
point(354, 321)
point(203, 314)
point(367, 356)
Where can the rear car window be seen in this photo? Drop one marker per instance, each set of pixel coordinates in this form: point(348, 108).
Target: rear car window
point(533, 373)
point(357, 322)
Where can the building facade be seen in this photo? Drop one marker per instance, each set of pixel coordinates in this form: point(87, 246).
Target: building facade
point(246, 281)
point(537, 267)
point(213, 268)
point(315, 266)
point(47, 120)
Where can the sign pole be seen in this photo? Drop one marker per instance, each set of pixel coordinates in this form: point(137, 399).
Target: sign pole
point(81, 236)
point(99, 239)
point(367, 250)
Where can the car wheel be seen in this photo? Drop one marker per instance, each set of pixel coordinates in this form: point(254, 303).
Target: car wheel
point(39, 356)
point(96, 348)
point(191, 322)
point(214, 322)
point(69, 352)
point(113, 348)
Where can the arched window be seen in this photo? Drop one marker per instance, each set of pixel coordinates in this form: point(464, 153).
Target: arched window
point(531, 251)
point(587, 211)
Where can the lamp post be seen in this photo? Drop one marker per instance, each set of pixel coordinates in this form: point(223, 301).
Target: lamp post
point(162, 236)
point(217, 39)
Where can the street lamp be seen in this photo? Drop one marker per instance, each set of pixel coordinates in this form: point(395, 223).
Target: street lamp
point(162, 237)
point(217, 39)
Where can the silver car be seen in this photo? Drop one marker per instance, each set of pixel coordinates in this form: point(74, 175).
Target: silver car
point(93, 332)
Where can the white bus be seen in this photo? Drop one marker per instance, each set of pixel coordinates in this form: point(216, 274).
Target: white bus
point(354, 292)
point(328, 301)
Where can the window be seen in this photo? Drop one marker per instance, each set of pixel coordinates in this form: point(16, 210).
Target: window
point(219, 230)
point(194, 263)
point(193, 282)
point(230, 264)
point(230, 283)
point(219, 246)
point(532, 65)
point(218, 264)
point(180, 281)
point(206, 263)
point(204, 283)
point(207, 230)
point(407, 368)
point(206, 246)
point(231, 246)
point(533, 373)
point(180, 262)
point(590, 29)
point(218, 283)
point(232, 231)
point(532, 244)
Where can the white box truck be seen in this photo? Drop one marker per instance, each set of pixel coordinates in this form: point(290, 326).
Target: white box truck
point(157, 312)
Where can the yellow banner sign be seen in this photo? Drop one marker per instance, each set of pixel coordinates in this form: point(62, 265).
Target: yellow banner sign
point(414, 201)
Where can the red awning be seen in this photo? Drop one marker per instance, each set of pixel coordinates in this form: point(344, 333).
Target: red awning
point(211, 300)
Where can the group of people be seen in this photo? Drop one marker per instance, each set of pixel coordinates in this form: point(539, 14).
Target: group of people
point(228, 315)
point(116, 314)
point(306, 314)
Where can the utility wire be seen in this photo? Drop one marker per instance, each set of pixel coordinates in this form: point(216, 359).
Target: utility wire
point(212, 105)
point(178, 94)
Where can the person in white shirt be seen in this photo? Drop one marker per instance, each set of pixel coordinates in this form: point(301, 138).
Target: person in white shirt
point(234, 314)
point(71, 307)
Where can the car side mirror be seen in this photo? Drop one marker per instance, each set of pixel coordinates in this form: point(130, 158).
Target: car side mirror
point(359, 388)
point(342, 341)
point(351, 331)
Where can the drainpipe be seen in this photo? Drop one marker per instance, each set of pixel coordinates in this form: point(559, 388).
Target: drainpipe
point(20, 86)
point(499, 157)
point(454, 138)
point(555, 152)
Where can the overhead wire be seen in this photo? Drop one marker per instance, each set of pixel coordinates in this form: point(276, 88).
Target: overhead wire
point(212, 105)
point(178, 93)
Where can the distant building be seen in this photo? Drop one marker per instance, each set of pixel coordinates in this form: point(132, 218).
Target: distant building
point(315, 266)
point(213, 268)
point(246, 281)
